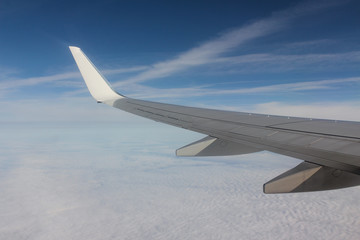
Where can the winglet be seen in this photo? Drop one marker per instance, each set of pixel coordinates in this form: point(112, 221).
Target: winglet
point(97, 84)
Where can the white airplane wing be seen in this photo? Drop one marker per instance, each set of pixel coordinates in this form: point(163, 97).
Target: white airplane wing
point(330, 149)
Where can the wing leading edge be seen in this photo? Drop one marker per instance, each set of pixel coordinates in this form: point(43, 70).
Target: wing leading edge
point(330, 149)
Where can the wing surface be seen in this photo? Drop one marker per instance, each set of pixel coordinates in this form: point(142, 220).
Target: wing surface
point(329, 143)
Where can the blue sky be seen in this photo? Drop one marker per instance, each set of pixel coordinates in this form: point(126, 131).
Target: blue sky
point(229, 53)
point(71, 168)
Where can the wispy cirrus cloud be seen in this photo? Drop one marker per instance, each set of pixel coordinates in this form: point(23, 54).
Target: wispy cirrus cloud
point(265, 62)
point(148, 92)
point(17, 83)
point(11, 83)
point(310, 44)
point(209, 51)
point(212, 52)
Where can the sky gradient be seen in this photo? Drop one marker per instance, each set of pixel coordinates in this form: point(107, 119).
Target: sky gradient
point(227, 53)
point(74, 169)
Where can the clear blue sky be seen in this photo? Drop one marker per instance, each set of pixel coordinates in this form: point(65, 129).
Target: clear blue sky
point(238, 54)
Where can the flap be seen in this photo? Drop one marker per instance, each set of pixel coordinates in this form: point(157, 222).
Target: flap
point(307, 177)
point(210, 146)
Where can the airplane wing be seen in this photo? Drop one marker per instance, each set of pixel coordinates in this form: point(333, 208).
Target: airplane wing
point(330, 149)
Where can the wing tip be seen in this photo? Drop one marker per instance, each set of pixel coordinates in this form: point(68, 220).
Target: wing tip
point(97, 84)
point(74, 48)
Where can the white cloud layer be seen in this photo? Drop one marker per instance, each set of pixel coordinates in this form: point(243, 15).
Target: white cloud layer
point(63, 110)
point(104, 182)
point(85, 110)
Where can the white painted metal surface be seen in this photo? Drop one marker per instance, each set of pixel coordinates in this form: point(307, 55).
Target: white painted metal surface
point(98, 86)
